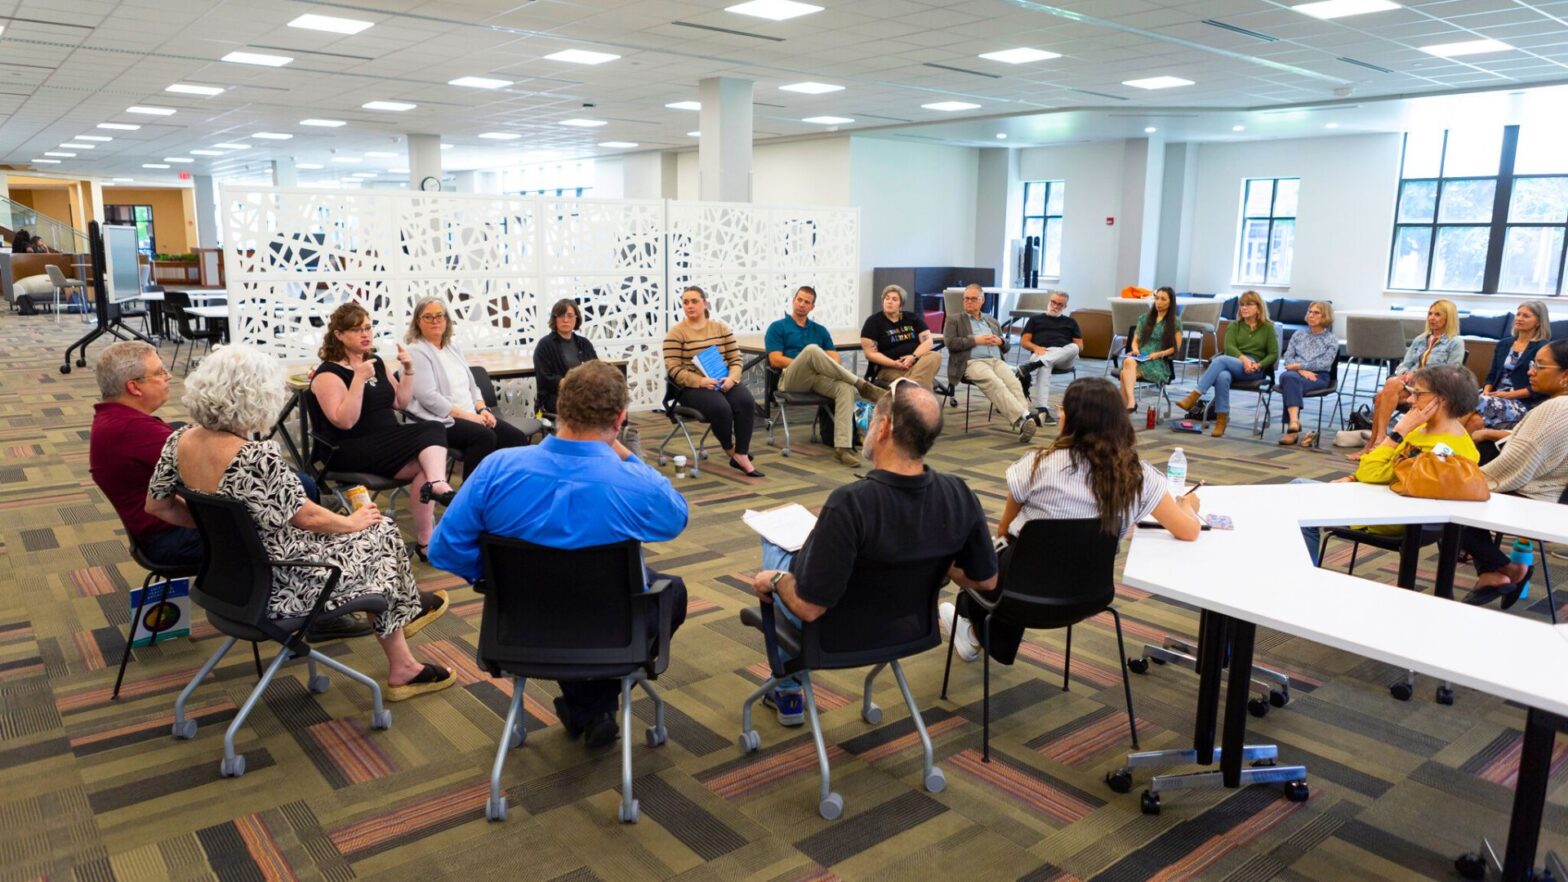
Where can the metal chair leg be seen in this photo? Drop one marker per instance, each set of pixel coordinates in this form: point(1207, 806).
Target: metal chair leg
point(869, 711)
point(932, 777)
point(1121, 651)
point(130, 637)
point(985, 693)
point(629, 811)
point(181, 730)
point(830, 805)
point(245, 709)
point(255, 651)
point(952, 640)
point(511, 736)
point(1067, 659)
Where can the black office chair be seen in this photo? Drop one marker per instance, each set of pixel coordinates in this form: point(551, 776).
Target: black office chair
point(165, 573)
point(233, 585)
point(336, 482)
point(174, 304)
point(889, 613)
point(679, 414)
point(773, 396)
point(597, 630)
point(1263, 387)
point(1319, 394)
point(1061, 572)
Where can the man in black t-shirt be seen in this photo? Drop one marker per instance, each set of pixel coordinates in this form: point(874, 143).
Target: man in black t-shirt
point(901, 511)
point(898, 342)
point(1053, 341)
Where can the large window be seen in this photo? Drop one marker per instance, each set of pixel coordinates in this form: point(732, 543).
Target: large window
point(1481, 210)
point(1268, 231)
point(1043, 224)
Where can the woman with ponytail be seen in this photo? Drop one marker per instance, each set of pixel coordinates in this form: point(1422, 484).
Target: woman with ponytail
point(1091, 471)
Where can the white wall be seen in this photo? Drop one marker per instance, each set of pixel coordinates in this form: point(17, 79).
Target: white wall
point(1090, 248)
point(1344, 218)
point(799, 173)
point(917, 205)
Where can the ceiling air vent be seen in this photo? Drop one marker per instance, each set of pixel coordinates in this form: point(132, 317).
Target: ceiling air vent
point(1366, 64)
point(730, 31)
point(1099, 94)
point(963, 70)
point(1237, 30)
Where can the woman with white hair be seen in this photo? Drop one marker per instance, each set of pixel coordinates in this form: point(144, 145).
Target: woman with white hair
point(233, 397)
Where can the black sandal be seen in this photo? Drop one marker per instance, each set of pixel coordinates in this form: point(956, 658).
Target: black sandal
point(427, 493)
point(431, 678)
point(1511, 596)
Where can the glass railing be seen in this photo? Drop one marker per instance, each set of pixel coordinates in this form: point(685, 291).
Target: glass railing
point(56, 234)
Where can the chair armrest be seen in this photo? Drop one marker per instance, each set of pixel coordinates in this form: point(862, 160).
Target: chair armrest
point(770, 639)
point(661, 659)
point(980, 599)
point(334, 574)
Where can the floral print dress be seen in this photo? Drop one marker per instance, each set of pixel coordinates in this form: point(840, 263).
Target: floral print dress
point(373, 561)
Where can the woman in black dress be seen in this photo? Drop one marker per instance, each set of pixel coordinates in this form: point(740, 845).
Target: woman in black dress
point(559, 351)
point(352, 407)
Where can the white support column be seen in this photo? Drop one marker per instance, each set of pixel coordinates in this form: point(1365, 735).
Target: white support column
point(424, 159)
point(1178, 200)
point(5, 205)
point(1143, 165)
point(283, 175)
point(724, 154)
point(207, 212)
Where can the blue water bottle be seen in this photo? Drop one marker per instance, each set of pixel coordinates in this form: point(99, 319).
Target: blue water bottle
point(1524, 555)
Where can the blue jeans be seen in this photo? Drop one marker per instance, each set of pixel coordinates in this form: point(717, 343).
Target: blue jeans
point(1311, 534)
point(776, 558)
point(1293, 386)
point(1222, 371)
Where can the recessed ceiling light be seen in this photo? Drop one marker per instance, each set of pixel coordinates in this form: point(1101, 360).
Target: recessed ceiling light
point(1001, 136)
point(500, 136)
point(153, 165)
point(1149, 130)
point(93, 138)
point(309, 166)
point(61, 154)
point(694, 134)
point(684, 105)
point(178, 159)
point(479, 83)
point(1020, 56)
point(810, 88)
point(257, 58)
point(1238, 128)
point(123, 180)
point(828, 120)
point(396, 106)
point(951, 106)
point(273, 136)
point(1331, 125)
point(774, 10)
point(1157, 83)
point(581, 56)
point(618, 145)
point(206, 152)
point(192, 89)
point(1342, 8)
point(119, 127)
point(232, 146)
point(150, 111)
point(383, 154)
point(583, 123)
point(324, 123)
point(1468, 47)
point(76, 146)
point(446, 146)
point(47, 161)
point(350, 160)
point(330, 23)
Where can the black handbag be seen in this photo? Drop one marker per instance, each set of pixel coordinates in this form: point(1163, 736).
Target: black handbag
point(1360, 418)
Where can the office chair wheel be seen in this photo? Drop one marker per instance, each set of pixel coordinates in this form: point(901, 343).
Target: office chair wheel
point(831, 808)
point(318, 684)
point(381, 719)
point(872, 714)
point(1279, 697)
point(1445, 695)
point(784, 451)
point(495, 808)
point(1120, 780)
point(1138, 665)
point(662, 461)
point(184, 730)
point(1297, 791)
point(1471, 865)
point(232, 766)
point(750, 742)
point(1401, 691)
point(518, 736)
point(936, 782)
point(630, 813)
point(1149, 802)
point(657, 735)
point(1258, 707)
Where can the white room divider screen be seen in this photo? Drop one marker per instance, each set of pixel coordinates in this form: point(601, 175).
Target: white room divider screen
point(500, 262)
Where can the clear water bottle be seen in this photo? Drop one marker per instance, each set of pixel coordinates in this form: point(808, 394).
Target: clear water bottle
point(1176, 473)
point(1524, 554)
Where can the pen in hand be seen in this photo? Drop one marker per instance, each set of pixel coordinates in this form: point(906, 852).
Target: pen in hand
point(1194, 489)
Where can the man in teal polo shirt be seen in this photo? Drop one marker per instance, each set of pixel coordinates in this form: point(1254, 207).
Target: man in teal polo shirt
point(804, 351)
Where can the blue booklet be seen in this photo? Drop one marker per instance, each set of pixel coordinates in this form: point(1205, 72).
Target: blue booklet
point(711, 362)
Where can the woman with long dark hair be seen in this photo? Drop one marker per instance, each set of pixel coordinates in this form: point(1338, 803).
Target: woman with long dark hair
point(1152, 343)
point(1091, 471)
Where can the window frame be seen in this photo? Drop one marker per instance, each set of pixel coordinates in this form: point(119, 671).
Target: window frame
point(1268, 240)
point(1045, 218)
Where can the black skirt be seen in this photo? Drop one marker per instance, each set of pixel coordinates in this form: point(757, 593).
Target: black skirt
point(386, 452)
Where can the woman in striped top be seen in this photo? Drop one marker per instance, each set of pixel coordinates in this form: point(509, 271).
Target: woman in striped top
point(725, 403)
point(1091, 471)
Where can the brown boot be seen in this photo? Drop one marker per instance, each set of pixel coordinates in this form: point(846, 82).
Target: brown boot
point(1187, 403)
point(1221, 420)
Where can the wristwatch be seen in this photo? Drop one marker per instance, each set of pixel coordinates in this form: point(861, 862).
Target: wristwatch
point(773, 584)
point(1395, 436)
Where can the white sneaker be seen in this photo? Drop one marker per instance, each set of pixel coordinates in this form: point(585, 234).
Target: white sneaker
point(967, 646)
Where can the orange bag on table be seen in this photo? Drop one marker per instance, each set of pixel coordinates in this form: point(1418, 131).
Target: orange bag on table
point(1133, 292)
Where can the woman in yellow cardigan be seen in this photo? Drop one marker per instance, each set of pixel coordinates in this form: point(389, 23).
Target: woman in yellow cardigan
point(1439, 396)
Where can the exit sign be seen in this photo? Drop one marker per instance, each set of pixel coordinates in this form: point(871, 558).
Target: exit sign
point(185, 176)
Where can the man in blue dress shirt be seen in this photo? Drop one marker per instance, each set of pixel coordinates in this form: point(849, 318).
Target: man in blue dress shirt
point(579, 488)
point(804, 351)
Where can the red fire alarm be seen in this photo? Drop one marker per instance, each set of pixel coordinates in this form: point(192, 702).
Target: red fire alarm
point(1110, 221)
point(185, 176)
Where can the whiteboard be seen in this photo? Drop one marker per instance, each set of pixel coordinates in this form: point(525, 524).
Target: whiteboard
point(121, 273)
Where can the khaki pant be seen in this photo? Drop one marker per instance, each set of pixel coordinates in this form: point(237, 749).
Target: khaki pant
point(1049, 360)
point(815, 371)
point(924, 371)
point(997, 380)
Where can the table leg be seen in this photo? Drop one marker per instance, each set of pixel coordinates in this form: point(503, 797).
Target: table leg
point(1447, 561)
point(1211, 663)
point(1409, 554)
point(1535, 766)
point(1242, 636)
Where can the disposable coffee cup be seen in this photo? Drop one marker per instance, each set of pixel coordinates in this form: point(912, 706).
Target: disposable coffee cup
point(680, 466)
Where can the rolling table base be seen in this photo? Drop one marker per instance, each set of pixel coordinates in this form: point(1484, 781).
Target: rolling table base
point(1524, 823)
point(1273, 687)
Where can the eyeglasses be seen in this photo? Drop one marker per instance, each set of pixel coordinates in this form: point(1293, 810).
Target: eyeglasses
point(159, 374)
point(1417, 393)
point(433, 317)
point(892, 400)
point(362, 329)
point(1535, 365)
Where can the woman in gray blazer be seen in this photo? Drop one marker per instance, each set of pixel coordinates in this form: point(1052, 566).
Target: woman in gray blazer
point(445, 390)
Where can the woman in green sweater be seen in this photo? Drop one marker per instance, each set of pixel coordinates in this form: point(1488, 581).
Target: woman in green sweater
point(1251, 348)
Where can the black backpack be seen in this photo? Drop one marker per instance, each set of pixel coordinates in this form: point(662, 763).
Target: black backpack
point(1203, 412)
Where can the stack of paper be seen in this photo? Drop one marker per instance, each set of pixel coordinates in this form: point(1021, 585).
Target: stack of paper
point(786, 526)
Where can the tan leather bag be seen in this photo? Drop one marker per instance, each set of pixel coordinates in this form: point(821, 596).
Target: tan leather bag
point(1431, 476)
